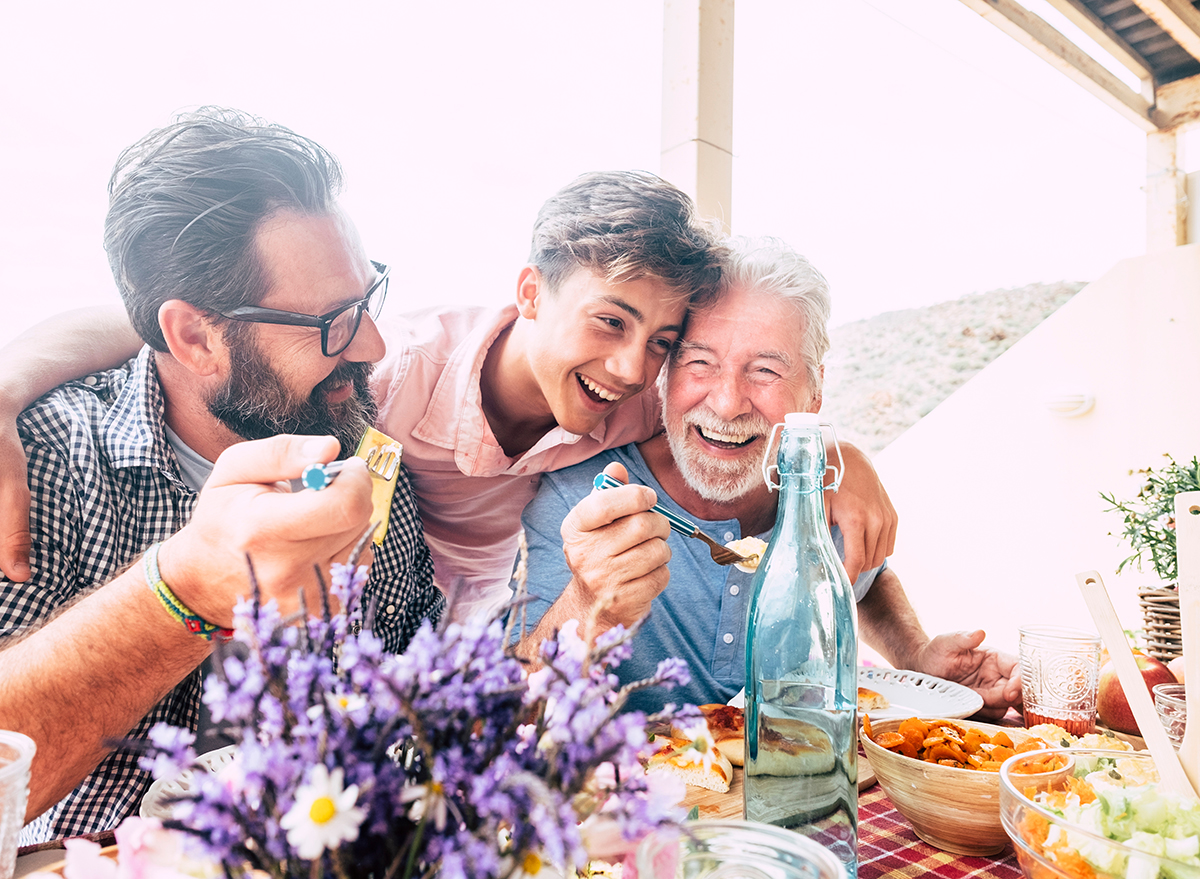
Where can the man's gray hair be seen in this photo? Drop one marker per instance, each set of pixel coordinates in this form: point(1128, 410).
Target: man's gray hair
point(771, 266)
point(187, 201)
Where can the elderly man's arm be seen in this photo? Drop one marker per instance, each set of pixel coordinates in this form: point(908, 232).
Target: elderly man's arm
point(616, 554)
point(889, 624)
point(89, 675)
point(60, 348)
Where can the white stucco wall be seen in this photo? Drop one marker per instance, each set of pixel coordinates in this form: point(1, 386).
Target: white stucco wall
point(998, 497)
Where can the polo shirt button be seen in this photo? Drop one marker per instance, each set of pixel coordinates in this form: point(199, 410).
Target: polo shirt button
point(391, 608)
point(734, 590)
point(727, 638)
point(729, 535)
point(90, 381)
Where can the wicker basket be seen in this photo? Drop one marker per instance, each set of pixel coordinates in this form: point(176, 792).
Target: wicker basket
point(1163, 633)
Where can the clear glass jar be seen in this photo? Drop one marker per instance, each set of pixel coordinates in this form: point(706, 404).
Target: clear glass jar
point(748, 850)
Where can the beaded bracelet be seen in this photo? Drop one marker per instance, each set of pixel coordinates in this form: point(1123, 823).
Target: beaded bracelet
point(195, 624)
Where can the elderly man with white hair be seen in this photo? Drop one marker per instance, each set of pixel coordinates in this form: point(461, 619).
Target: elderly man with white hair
point(743, 363)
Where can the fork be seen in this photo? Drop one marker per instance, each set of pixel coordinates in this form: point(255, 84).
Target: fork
point(319, 476)
point(722, 555)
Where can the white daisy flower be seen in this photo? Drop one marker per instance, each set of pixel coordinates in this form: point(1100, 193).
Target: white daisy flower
point(701, 748)
point(351, 705)
point(324, 815)
point(426, 799)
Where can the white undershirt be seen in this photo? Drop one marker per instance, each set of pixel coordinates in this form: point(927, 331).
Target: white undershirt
point(194, 469)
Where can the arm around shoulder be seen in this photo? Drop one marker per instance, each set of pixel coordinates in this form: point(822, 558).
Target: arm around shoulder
point(63, 347)
point(60, 348)
point(864, 512)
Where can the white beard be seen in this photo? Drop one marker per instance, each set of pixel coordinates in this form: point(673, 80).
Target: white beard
point(714, 479)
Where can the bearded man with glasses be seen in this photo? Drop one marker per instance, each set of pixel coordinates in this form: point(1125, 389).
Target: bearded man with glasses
point(256, 302)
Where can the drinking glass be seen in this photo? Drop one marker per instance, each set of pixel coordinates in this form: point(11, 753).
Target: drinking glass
point(16, 754)
point(1171, 705)
point(1060, 677)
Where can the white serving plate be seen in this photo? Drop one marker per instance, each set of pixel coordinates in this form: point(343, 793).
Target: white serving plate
point(911, 694)
point(155, 803)
point(914, 694)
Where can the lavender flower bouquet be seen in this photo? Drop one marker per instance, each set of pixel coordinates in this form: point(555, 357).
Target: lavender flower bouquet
point(446, 760)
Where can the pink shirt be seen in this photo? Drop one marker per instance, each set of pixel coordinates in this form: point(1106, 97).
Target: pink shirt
point(469, 493)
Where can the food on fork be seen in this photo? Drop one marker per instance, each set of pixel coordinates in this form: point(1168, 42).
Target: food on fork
point(680, 758)
point(753, 548)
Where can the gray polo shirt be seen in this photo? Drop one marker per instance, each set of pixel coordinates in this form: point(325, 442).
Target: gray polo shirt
point(700, 617)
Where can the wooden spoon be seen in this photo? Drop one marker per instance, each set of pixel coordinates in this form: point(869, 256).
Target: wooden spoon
point(1187, 555)
point(1172, 778)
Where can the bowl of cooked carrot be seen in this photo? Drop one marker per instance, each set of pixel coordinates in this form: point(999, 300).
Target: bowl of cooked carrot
point(943, 776)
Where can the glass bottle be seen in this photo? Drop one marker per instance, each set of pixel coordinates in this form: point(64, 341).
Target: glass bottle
point(802, 662)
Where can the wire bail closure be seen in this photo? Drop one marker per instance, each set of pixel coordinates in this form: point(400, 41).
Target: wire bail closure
point(838, 472)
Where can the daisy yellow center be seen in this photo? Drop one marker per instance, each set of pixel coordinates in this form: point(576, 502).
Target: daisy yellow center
point(322, 810)
point(532, 864)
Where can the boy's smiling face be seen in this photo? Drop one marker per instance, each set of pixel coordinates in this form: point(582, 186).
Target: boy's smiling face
point(596, 344)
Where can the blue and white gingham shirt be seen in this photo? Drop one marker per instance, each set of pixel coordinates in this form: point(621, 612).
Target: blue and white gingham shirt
point(105, 484)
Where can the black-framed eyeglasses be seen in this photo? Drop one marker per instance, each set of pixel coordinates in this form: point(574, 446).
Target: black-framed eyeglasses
point(338, 327)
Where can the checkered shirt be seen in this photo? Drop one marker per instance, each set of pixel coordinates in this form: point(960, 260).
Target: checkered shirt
point(105, 485)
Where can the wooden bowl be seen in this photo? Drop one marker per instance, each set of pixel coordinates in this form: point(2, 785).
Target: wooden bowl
point(956, 810)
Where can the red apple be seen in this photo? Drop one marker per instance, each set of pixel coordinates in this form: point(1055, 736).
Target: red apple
point(1111, 704)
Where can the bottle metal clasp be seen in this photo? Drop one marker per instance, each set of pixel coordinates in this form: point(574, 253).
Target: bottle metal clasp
point(838, 472)
point(767, 466)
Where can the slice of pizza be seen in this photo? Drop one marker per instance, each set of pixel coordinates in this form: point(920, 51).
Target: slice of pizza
point(677, 757)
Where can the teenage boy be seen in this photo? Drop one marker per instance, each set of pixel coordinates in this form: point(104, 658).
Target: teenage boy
point(484, 401)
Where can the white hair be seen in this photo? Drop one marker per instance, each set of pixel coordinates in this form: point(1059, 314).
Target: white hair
point(771, 266)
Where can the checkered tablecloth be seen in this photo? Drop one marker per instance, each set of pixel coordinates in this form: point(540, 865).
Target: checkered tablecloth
point(887, 846)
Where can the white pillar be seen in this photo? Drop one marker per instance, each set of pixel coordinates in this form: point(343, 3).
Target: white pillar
point(1166, 198)
point(697, 113)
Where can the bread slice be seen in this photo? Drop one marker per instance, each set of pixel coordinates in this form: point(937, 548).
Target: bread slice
point(789, 747)
point(869, 700)
point(677, 757)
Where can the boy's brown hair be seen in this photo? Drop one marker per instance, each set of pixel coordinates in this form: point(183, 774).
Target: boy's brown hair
point(627, 225)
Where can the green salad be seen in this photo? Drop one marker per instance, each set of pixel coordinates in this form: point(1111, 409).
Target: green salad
point(1115, 798)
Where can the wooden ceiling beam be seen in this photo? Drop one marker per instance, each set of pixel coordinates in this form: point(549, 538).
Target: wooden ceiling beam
point(1179, 102)
point(1076, 12)
point(1032, 32)
point(1178, 18)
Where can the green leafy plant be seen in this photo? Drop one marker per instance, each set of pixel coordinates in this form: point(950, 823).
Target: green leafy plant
point(1150, 516)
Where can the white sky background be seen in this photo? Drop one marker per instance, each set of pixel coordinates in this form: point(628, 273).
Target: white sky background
point(908, 147)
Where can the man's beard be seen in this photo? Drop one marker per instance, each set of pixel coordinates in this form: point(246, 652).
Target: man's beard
point(715, 479)
point(255, 403)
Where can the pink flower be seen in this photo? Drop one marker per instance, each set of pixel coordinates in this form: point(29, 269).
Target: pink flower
point(145, 851)
point(654, 856)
